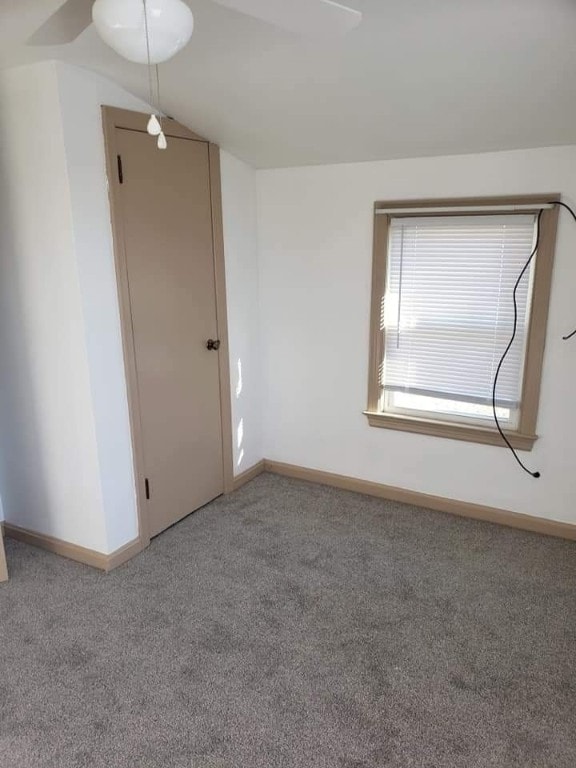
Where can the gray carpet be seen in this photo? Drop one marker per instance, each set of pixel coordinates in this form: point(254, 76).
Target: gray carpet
point(294, 625)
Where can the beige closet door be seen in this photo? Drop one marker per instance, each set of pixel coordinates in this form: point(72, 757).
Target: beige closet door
point(166, 221)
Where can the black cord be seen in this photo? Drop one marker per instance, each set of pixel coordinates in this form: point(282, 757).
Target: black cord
point(503, 358)
point(505, 353)
point(559, 202)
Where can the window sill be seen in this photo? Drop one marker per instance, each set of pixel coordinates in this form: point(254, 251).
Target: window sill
point(449, 430)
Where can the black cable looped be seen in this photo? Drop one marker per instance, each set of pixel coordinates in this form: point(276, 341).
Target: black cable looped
point(503, 358)
point(505, 353)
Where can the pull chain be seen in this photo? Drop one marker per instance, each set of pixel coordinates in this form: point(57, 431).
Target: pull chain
point(154, 126)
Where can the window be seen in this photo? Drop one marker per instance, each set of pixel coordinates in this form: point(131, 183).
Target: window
point(442, 315)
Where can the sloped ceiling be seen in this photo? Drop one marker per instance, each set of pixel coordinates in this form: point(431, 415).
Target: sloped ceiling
point(419, 77)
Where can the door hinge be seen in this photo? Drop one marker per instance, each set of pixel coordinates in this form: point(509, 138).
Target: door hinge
point(147, 487)
point(120, 171)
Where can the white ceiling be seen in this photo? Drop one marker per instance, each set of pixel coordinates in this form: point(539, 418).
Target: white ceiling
point(418, 77)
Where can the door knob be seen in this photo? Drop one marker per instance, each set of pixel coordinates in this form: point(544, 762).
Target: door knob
point(213, 344)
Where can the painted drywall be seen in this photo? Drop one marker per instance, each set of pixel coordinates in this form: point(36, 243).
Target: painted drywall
point(81, 94)
point(315, 251)
point(49, 473)
point(241, 255)
point(66, 453)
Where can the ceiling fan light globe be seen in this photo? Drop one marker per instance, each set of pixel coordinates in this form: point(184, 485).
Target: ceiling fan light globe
point(121, 25)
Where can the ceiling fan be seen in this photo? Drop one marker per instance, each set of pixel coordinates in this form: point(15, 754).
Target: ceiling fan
point(308, 18)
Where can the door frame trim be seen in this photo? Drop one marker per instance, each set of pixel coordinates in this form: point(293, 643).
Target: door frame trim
point(113, 118)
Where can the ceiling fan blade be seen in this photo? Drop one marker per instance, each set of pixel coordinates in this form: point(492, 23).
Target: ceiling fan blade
point(65, 24)
point(308, 18)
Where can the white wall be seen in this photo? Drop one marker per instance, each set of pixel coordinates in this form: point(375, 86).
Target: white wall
point(315, 250)
point(65, 452)
point(49, 475)
point(241, 254)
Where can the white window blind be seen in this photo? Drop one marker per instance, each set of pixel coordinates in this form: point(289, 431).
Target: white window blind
point(448, 312)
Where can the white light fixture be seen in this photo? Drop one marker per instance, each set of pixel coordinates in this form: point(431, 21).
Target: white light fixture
point(122, 26)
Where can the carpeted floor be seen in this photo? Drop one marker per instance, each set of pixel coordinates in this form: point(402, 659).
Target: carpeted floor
point(291, 625)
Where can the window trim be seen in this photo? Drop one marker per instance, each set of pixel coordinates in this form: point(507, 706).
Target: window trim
point(524, 437)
